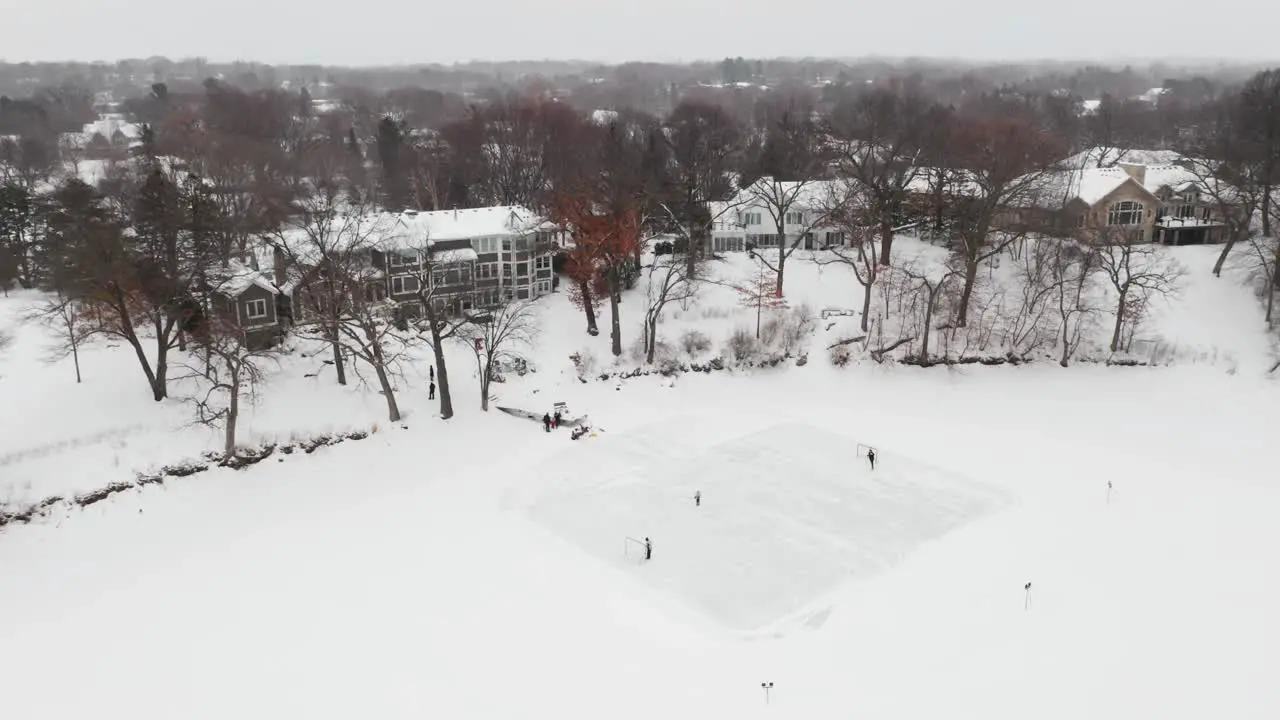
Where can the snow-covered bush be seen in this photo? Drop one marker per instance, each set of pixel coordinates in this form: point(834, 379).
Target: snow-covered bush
point(741, 345)
point(694, 343)
point(584, 362)
point(840, 355)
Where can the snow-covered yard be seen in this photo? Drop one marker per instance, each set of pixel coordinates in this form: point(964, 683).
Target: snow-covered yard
point(478, 568)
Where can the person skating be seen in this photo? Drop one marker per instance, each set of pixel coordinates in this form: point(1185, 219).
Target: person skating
point(431, 391)
point(555, 420)
point(648, 549)
point(871, 457)
point(546, 422)
point(697, 498)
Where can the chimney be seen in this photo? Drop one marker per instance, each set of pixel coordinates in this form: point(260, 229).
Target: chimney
point(1136, 171)
point(277, 263)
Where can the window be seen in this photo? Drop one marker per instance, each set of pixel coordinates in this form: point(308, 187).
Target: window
point(542, 262)
point(506, 244)
point(727, 244)
point(522, 244)
point(1205, 212)
point(399, 259)
point(542, 287)
point(256, 309)
point(506, 270)
point(486, 271)
point(466, 303)
point(486, 245)
point(795, 218)
point(404, 284)
point(1186, 211)
point(522, 269)
point(751, 218)
point(835, 238)
point(437, 277)
point(464, 274)
point(508, 294)
point(1125, 212)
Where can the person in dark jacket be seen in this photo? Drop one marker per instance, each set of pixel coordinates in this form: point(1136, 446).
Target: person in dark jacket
point(555, 420)
point(546, 422)
point(871, 457)
point(648, 549)
point(431, 391)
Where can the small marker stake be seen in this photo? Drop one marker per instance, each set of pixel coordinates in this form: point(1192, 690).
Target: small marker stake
point(1027, 603)
point(1108, 492)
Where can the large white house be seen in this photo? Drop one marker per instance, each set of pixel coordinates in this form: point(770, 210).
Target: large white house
point(750, 218)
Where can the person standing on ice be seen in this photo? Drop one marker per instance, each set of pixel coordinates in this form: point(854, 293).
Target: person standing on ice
point(648, 549)
point(871, 457)
point(555, 421)
point(431, 391)
point(546, 422)
point(697, 498)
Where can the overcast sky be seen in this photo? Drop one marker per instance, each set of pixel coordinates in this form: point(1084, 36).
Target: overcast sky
point(367, 32)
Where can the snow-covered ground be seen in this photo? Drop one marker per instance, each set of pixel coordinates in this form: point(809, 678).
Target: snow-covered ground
point(479, 568)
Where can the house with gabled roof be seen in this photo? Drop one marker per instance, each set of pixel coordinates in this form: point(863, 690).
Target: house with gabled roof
point(1150, 193)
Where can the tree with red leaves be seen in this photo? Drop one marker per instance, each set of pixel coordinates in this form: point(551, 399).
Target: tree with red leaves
point(761, 293)
point(606, 239)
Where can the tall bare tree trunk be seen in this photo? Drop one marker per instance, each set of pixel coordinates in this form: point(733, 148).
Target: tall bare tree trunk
point(866, 304)
point(233, 415)
point(1273, 283)
point(966, 293)
point(393, 410)
point(380, 369)
point(1115, 334)
point(486, 373)
point(614, 320)
point(75, 354)
point(338, 365)
point(584, 288)
point(1226, 250)
point(886, 243)
point(442, 369)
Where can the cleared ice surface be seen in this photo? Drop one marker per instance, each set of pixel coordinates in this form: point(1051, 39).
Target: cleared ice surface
point(788, 513)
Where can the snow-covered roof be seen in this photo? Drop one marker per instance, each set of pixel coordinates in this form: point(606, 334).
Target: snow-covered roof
point(1185, 222)
point(236, 277)
point(1105, 156)
point(603, 117)
point(456, 255)
point(411, 229)
point(810, 195)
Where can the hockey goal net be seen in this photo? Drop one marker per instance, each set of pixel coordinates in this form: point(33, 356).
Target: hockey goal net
point(863, 449)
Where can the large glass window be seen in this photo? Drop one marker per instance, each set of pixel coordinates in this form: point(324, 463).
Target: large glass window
point(1125, 212)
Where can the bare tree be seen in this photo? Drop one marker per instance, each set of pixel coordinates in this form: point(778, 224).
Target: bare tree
point(500, 337)
point(1228, 174)
point(1072, 269)
point(234, 370)
point(878, 139)
point(63, 314)
point(367, 333)
point(329, 237)
point(1137, 272)
point(790, 163)
point(440, 329)
point(844, 208)
point(670, 280)
point(701, 141)
point(1005, 162)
